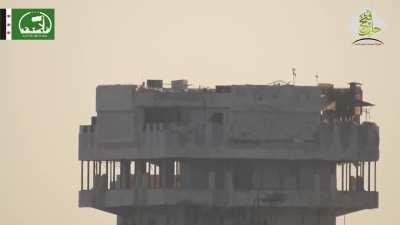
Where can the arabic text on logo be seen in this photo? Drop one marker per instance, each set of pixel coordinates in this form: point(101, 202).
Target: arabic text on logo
point(367, 30)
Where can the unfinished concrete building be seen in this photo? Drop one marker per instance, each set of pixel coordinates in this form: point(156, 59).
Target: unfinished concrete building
point(273, 154)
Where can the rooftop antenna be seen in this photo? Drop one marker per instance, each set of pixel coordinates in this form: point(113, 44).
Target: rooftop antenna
point(316, 78)
point(294, 75)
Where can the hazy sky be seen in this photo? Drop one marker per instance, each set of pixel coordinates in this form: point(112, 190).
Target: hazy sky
point(48, 87)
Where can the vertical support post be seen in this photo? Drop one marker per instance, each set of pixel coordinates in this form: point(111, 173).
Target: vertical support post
point(152, 172)
point(357, 169)
point(177, 174)
point(369, 176)
point(140, 170)
point(350, 184)
point(112, 186)
point(114, 180)
point(211, 180)
point(88, 175)
point(81, 175)
point(147, 175)
point(125, 173)
point(94, 172)
point(95, 168)
point(363, 168)
point(109, 177)
point(120, 175)
point(99, 171)
point(106, 175)
point(229, 176)
point(342, 176)
point(363, 175)
point(163, 172)
point(374, 175)
point(345, 174)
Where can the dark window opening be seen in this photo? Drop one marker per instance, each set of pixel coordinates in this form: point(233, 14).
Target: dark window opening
point(157, 115)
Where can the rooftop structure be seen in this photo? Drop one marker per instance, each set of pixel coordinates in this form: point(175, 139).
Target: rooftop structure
point(238, 154)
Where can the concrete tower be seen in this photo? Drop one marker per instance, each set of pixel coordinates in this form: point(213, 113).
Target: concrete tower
point(234, 155)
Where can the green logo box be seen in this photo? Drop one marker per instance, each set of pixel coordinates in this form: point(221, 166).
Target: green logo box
point(33, 24)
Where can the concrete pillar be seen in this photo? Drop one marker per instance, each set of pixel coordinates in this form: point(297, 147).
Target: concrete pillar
point(229, 177)
point(369, 176)
point(211, 180)
point(375, 176)
point(167, 173)
point(140, 169)
point(88, 175)
point(81, 175)
point(187, 174)
point(145, 180)
point(125, 173)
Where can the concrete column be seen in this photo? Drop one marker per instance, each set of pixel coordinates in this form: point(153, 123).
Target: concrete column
point(146, 176)
point(374, 175)
point(167, 173)
point(187, 175)
point(369, 176)
point(140, 169)
point(107, 179)
point(88, 175)
point(345, 177)
point(342, 170)
point(211, 180)
point(229, 177)
point(125, 173)
point(94, 172)
point(113, 176)
point(81, 175)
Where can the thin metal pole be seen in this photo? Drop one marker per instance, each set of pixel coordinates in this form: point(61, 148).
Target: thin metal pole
point(342, 175)
point(345, 174)
point(350, 185)
point(374, 175)
point(369, 176)
point(99, 166)
point(120, 175)
point(363, 175)
point(94, 172)
point(107, 175)
point(111, 174)
point(357, 170)
point(88, 175)
point(114, 186)
point(81, 175)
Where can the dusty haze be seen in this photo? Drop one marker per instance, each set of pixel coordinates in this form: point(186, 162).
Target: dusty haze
point(48, 87)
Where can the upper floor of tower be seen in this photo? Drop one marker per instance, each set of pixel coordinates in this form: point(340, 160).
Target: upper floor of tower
point(276, 121)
